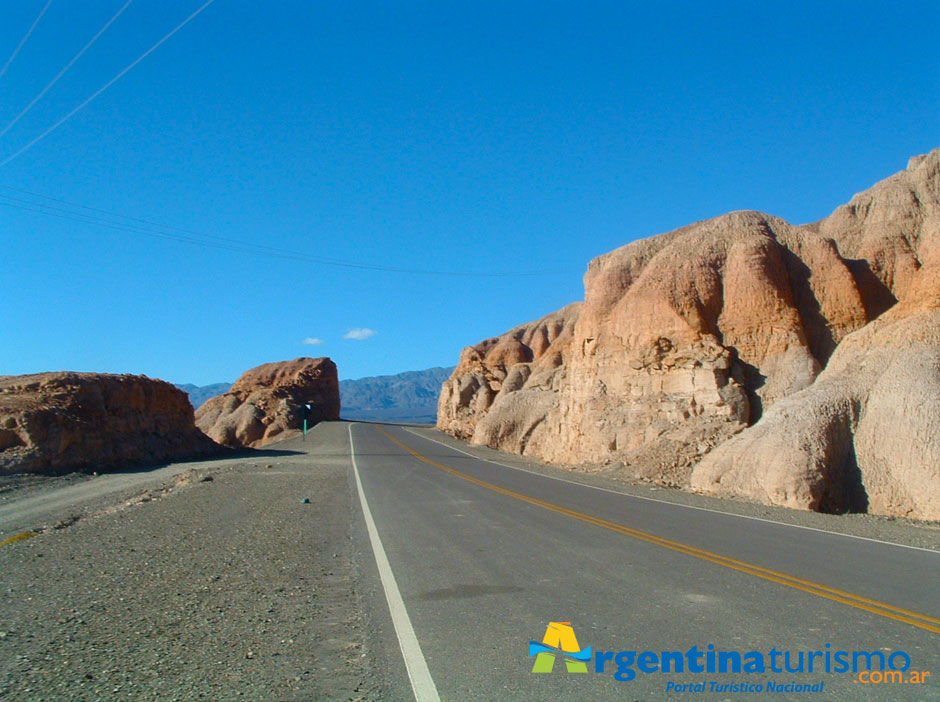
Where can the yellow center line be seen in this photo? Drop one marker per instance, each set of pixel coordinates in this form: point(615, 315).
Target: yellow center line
point(922, 621)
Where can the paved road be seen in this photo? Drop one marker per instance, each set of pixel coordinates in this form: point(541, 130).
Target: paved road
point(485, 556)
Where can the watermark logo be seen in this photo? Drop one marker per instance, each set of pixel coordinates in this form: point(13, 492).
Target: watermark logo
point(866, 667)
point(559, 639)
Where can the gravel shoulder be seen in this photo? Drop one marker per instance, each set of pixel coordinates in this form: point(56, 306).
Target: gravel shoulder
point(213, 581)
point(896, 530)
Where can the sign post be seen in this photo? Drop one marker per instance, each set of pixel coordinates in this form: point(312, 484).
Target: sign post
point(307, 414)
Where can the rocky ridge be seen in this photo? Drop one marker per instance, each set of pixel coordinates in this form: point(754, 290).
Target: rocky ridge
point(715, 335)
point(866, 435)
point(61, 422)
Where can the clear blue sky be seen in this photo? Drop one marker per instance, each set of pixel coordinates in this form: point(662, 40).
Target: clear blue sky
point(484, 137)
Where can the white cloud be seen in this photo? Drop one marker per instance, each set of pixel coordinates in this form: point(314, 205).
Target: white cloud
point(311, 341)
point(359, 334)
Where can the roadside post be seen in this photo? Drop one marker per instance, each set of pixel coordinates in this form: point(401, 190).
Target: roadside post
point(306, 415)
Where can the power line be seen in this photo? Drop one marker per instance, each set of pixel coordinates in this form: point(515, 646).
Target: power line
point(64, 70)
point(23, 40)
point(186, 236)
point(199, 236)
point(106, 85)
point(228, 244)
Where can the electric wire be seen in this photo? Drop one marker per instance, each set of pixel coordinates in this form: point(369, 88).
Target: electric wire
point(230, 245)
point(61, 73)
point(107, 85)
point(198, 237)
point(235, 245)
point(24, 39)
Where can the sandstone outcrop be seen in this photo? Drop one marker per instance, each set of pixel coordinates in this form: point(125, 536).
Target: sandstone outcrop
point(681, 341)
point(686, 339)
point(866, 435)
point(61, 422)
point(504, 388)
point(268, 402)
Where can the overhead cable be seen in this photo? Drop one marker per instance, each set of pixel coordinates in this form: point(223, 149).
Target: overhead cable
point(185, 236)
point(61, 73)
point(104, 87)
point(25, 37)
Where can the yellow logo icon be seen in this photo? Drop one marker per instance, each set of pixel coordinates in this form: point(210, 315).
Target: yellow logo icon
point(559, 639)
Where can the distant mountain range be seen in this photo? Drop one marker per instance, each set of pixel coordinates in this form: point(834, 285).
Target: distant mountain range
point(200, 393)
point(405, 397)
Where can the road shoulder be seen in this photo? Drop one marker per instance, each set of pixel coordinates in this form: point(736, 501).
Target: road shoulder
point(226, 588)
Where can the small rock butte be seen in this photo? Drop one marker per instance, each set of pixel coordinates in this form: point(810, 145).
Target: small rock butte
point(268, 402)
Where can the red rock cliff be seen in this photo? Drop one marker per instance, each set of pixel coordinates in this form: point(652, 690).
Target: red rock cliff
point(60, 422)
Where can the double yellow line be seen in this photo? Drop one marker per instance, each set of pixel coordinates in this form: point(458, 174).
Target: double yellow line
point(921, 621)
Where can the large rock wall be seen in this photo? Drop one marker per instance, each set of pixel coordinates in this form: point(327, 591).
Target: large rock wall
point(681, 341)
point(687, 338)
point(61, 422)
point(270, 400)
point(866, 435)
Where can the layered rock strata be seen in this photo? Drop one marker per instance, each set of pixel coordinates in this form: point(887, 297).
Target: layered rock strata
point(866, 435)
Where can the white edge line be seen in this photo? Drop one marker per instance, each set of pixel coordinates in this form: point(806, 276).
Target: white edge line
point(674, 504)
point(422, 684)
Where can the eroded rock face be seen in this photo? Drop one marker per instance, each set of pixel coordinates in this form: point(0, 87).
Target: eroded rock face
point(504, 392)
point(270, 400)
point(866, 435)
point(681, 341)
point(60, 422)
point(687, 338)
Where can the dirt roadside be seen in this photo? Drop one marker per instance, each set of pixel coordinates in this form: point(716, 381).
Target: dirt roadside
point(219, 583)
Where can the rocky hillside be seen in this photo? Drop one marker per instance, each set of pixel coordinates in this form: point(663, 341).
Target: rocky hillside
point(61, 422)
point(268, 402)
point(198, 394)
point(405, 397)
point(797, 350)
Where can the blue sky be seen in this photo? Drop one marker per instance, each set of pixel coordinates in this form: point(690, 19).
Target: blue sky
point(490, 139)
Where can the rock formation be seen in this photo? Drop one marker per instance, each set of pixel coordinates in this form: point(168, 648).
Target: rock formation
point(866, 435)
point(504, 388)
point(687, 338)
point(60, 422)
point(267, 401)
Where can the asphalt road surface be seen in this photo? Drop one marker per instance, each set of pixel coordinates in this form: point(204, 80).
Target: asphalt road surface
point(477, 558)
